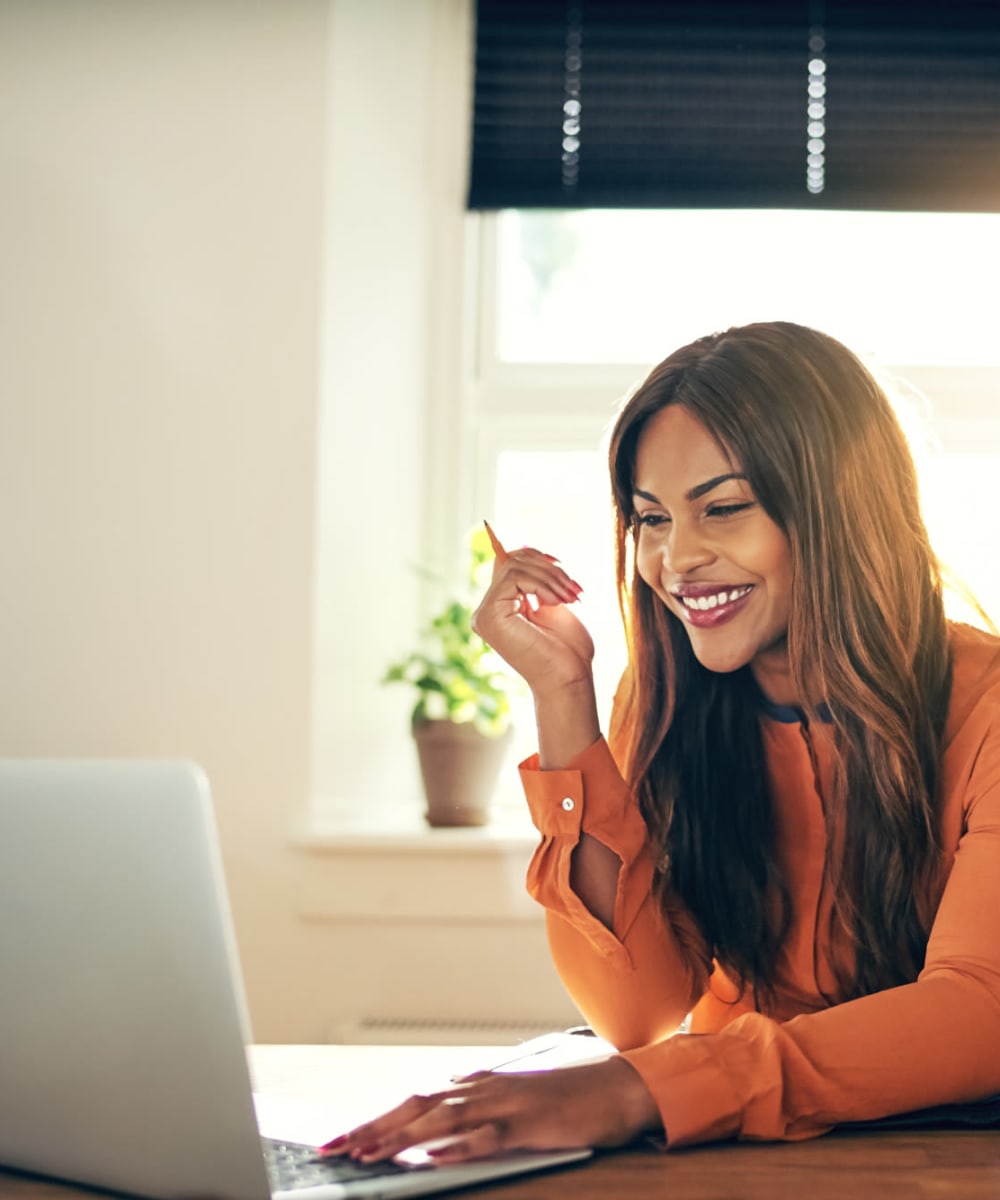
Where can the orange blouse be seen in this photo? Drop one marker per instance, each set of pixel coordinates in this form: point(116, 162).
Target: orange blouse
point(808, 1064)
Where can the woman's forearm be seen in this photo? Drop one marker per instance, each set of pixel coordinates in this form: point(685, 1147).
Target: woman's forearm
point(567, 724)
point(593, 875)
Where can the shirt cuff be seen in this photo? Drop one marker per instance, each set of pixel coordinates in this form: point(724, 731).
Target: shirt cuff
point(695, 1098)
point(587, 796)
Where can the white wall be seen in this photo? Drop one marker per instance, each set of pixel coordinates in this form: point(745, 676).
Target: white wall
point(218, 353)
point(383, 195)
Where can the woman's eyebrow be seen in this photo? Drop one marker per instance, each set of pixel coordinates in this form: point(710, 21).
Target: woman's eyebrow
point(695, 493)
point(702, 489)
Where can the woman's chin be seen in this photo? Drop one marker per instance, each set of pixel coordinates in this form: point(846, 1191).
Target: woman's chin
point(720, 661)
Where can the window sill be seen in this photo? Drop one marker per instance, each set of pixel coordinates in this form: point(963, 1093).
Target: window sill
point(404, 831)
point(399, 869)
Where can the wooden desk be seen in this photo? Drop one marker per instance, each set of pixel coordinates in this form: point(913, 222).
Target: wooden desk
point(927, 1165)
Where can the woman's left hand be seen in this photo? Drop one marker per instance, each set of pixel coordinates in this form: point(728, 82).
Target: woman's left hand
point(599, 1104)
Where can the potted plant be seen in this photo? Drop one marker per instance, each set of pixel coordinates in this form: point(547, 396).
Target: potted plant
point(461, 719)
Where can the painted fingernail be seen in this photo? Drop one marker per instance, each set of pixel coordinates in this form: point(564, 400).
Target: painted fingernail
point(334, 1144)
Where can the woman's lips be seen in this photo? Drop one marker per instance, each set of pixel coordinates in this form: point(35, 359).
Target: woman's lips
point(705, 607)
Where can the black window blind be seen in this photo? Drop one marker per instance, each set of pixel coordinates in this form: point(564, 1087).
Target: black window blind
point(852, 104)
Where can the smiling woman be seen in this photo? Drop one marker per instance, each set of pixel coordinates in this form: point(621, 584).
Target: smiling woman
point(788, 839)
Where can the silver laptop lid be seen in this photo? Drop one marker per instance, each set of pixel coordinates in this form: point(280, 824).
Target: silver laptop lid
point(121, 1023)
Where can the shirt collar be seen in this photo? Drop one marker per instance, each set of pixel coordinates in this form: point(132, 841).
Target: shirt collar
point(789, 714)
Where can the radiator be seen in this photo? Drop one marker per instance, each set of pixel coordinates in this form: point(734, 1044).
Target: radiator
point(443, 1031)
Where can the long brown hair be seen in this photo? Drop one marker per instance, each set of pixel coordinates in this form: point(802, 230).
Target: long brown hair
point(867, 640)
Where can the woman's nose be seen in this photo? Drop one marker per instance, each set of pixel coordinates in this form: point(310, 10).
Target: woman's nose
point(685, 549)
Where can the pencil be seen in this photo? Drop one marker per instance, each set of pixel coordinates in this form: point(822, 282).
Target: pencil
point(498, 550)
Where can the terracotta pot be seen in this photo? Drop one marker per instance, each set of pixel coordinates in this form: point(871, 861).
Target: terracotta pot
point(460, 767)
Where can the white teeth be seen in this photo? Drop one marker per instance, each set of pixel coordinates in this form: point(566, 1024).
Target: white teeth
point(704, 603)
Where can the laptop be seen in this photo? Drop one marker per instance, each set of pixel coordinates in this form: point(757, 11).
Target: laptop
point(122, 1019)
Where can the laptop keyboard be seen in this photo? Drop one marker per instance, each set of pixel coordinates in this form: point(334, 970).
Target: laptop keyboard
point(292, 1166)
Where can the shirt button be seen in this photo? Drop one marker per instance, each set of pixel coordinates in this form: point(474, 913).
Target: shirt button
point(569, 804)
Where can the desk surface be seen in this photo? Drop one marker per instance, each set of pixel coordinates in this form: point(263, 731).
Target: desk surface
point(926, 1165)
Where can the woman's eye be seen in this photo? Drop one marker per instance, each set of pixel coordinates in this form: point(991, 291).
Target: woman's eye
point(728, 510)
point(650, 520)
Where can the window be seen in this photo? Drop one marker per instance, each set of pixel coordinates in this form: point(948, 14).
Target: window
point(603, 286)
point(814, 110)
point(571, 308)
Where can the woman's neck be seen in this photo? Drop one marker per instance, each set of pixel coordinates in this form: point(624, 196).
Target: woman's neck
point(773, 674)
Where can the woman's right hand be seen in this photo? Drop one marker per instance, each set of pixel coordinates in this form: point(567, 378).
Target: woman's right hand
point(525, 617)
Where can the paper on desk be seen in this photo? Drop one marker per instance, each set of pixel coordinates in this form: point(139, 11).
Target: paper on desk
point(313, 1121)
point(339, 1090)
point(552, 1050)
point(289, 1120)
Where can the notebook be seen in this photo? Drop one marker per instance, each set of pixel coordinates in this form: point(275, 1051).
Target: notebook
point(122, 1018)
